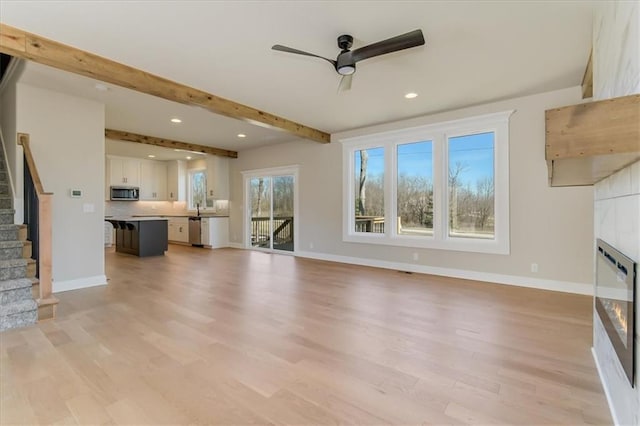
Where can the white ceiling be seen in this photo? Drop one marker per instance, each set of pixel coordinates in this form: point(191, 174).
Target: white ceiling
point(475, 52)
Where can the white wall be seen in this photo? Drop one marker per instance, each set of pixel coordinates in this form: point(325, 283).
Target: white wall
point(8, 101)
point(616, 58)
point(67, 140)
point(549, 226)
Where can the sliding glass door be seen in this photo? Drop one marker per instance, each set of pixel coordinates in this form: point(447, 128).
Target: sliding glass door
point(260, 212)
point(271, 213)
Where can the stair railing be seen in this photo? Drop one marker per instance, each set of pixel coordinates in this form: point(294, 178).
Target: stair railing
point(38, 218)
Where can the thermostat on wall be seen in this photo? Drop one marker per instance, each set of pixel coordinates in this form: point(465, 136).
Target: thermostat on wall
point(75, 193)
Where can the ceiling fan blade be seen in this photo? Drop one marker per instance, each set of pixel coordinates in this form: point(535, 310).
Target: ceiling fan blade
point(300, 52)
point(394, 44)
point(345, 83)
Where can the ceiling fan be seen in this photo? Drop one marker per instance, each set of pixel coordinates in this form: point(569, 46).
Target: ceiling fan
point(345, 62)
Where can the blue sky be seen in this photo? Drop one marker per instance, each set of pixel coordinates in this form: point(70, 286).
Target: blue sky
point(416, 159)
point(475, 152)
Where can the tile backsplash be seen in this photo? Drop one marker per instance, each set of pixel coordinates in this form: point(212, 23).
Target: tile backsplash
point(128, 208)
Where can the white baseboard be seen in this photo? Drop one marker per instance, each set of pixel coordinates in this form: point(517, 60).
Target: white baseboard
point(236, 245)
point(542, 284)
point(604, 386)
point(79, 283)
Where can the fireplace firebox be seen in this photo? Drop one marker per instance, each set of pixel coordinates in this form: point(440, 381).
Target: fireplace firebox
point(615, 302)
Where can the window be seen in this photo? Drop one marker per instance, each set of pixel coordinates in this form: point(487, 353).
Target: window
point(368, 185)
point(197, 189)
point(442, 186)
point(414, 188)
point(470, 186)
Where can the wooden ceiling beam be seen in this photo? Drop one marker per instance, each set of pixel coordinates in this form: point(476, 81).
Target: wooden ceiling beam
point(119, 135)
point(24, 45)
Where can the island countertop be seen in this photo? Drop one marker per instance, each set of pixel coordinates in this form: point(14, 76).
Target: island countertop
point(205, 216)
point(133, 218)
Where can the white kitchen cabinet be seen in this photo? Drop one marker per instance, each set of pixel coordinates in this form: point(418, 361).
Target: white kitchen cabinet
point(215, 232)
point(153, 180)
point(176, 180)
point(217, 177)
point(123, 171)
point(178, 229)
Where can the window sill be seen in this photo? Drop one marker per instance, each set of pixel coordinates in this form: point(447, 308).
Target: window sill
point(473, 245)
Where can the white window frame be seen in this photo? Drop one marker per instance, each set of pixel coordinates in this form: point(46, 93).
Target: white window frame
point(439, 134)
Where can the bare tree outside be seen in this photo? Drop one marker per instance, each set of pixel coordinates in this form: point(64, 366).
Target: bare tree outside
point(415, 188)
point(259, 196)
point(369, 190)
point(198, 182)
point(485, 202)
point(455, 186)
point(362, 192)
point(272, 215)
point(471, 186)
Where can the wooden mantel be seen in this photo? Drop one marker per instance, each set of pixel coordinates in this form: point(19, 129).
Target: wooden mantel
point(24, 45)
point(588, 142)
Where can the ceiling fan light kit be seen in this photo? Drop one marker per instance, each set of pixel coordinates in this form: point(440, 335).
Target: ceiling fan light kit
point(346, 69)
point(345, 63)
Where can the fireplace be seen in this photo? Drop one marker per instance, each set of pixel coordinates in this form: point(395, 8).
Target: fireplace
point(615, 302)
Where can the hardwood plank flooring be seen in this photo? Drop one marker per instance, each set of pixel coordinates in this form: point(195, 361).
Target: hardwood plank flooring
point(238, 337)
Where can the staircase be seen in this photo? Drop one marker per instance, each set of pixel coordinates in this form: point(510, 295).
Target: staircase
point(18, 285)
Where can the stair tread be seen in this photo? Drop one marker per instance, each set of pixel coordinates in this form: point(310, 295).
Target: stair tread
point(9, 226)
point(9, 263)
point(18, 307)
point(11, 244)
point(7, 211)
point(15, 284)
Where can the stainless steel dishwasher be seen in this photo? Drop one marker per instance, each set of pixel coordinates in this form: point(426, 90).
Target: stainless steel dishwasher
point(195, 237)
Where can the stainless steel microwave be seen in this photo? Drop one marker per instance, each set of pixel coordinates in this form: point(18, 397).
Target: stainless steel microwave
point(125, 193)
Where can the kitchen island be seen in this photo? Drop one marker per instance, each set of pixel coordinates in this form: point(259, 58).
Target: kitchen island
point(140, 236)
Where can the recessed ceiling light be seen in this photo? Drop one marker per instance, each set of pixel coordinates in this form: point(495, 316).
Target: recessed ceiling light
point(176, 120)
point(101, 87)
point(177, 150)
point(411, 95)
point(188, 158)
point(242, 135)
point(151, 156)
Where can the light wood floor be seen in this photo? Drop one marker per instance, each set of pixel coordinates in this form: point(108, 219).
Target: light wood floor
point(239, 337)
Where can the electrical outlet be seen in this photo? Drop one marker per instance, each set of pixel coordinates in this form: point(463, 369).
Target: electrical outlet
point(534, 267)
point(311, 245)
point(415, 256)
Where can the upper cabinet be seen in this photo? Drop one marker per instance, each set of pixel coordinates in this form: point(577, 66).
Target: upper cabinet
point(153, 180)
point(217, 177)
point(588, 142)
point(176, 180)
point(148, 175)
point(123, 171)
